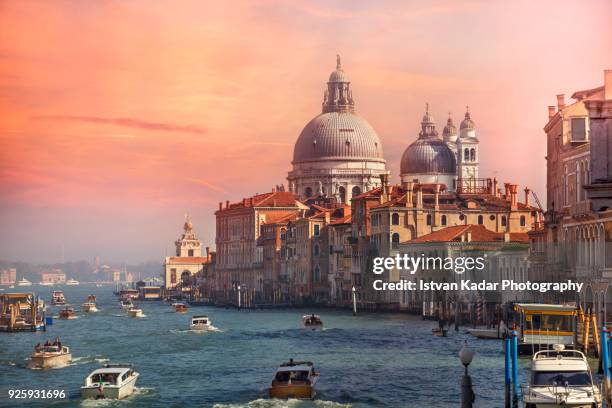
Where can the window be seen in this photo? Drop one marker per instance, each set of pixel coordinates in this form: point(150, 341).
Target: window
point(317, 230)
point(473, 155)
point(462, 217)
point(308, 192)
point(190, 252)
point(522, 220)
point(173, 275)
point(429, 219)
point(317, 274)
point(395, 239)
point(466, 155)
point(492, 217)
point(578, 129)
point(480, 220)
point(503, 221)
point(443, 220)
point(356, 191)
point(395, 219)
point(342, 193)
point(316, 250)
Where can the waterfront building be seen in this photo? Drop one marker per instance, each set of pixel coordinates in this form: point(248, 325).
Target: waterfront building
point(574, 243)
point(188, 261)
point(53, 276)
point(8, 276)
point(338, 153)
point(239, 259)
point(505, 257)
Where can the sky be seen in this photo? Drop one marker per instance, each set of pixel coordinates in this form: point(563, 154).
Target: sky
point(117, 118)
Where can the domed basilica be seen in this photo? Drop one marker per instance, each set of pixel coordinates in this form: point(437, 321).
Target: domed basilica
point(338, 154)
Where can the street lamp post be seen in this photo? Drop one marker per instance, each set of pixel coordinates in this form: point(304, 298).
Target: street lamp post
point(467, 394)
point(354, 301)
point(239, 300)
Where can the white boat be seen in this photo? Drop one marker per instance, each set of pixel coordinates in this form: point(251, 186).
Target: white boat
point(72, 282)
point(53, 356)
point(45, 283)
point(200, 323)
point(24, 282)
point(312, 322)
point(57, 298)
point(113, 381)
point(89, 307)
point(495, 333)
point(126, 304)
point(561, 379)
point(135, 312)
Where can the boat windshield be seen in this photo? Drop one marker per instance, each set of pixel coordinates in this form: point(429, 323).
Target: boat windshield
point(285, 376)
point(549, 322)
point(104, 378)
point(561, 378)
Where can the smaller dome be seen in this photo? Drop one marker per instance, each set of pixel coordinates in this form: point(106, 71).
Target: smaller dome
point(338, 75)
point(450, 129)
point(428, 156)
point(467, 123)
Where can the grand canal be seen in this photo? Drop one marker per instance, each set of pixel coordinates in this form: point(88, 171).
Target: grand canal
point(371, 360)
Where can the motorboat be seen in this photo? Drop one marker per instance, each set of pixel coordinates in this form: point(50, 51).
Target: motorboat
point(72, 282)
point(200, 323)
point(294, 379)
point(112, 381)
point(487, 334)
point(312, 322)
point(126, 304)
point(45, 283)
point(90, 305)
point(50, 356)
point(67, 313)
point(135, 312)
point(561, 378)
point(57, 298)
point(180, 307)
point(24, 282)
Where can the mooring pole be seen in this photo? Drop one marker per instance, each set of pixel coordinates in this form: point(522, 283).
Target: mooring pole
point(515, 369)
point(605, 363)
point(354, 301)
point(507, 373)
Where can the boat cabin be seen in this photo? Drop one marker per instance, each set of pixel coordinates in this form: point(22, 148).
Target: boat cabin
point(542, 325)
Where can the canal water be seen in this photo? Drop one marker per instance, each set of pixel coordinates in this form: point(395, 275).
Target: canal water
point(371, 360)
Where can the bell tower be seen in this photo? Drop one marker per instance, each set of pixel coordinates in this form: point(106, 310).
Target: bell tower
point(188, 245)
point(467, 149)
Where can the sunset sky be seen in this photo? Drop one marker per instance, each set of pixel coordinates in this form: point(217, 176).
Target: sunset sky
point(118, 117)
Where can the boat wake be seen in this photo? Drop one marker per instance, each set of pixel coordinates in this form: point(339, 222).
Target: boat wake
point(211, 329)
point(291, 403)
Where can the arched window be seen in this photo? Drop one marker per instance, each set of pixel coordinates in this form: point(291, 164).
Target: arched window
point(316, 250)
point(466, 155)
point(480, 220)
point(395, 239)
point(185, 276)
point(342, 193)
point(503, 220)
point(317, 274)
point(356, 191)
point(473, 155)
point(522, 220)
point(395, 219)
point(429, 219)
point(308, 192)
point(443, 220)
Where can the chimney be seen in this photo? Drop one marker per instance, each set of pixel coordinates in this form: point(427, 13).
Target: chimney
point(551, 111)
point(527, 192)
point(227, 204)
point(409, 188)
point(608, 84)
point(494, 188)
point(506, 191)
point(560, 101)
point(513, 200)
point(327, 217)
point(437, 197)
point(220, 205)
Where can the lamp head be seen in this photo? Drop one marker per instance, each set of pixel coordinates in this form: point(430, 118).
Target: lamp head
point(466, 354)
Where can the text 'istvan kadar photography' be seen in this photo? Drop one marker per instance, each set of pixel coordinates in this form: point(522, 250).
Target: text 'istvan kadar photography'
point(306, 204)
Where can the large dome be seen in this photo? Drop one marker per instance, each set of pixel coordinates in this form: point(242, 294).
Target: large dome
point(338, 136)
point(427, 156)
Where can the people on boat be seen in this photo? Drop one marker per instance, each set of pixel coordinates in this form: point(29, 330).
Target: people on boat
point(48, 343)
point(38, 347)
point(57, 342)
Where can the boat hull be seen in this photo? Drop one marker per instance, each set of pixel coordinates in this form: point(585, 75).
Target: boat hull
point(109, 391)
point(292, 391)
point(89, 309)
point(135, 313)
point(486, 334)
point(50, 361)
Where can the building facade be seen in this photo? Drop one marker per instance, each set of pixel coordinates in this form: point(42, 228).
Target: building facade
point(188, 261)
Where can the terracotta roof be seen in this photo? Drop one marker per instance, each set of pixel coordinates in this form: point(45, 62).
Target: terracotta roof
point(187, 260)
point(344, 220)
point(272, 199)
point(479, 234)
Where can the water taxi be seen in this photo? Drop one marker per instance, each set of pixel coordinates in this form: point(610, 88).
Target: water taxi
point(67, 313)
point(200, 323)
point(90, 305)
point(312, 322)
point(72, 282)
point(294, 379)
point(180, 307)
point(126, 304)
point(50, 356)
point(539, 326)
point(57, 298)
point(24, 282)
point(135, 312)
point(561, 378)
point(113, 381)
